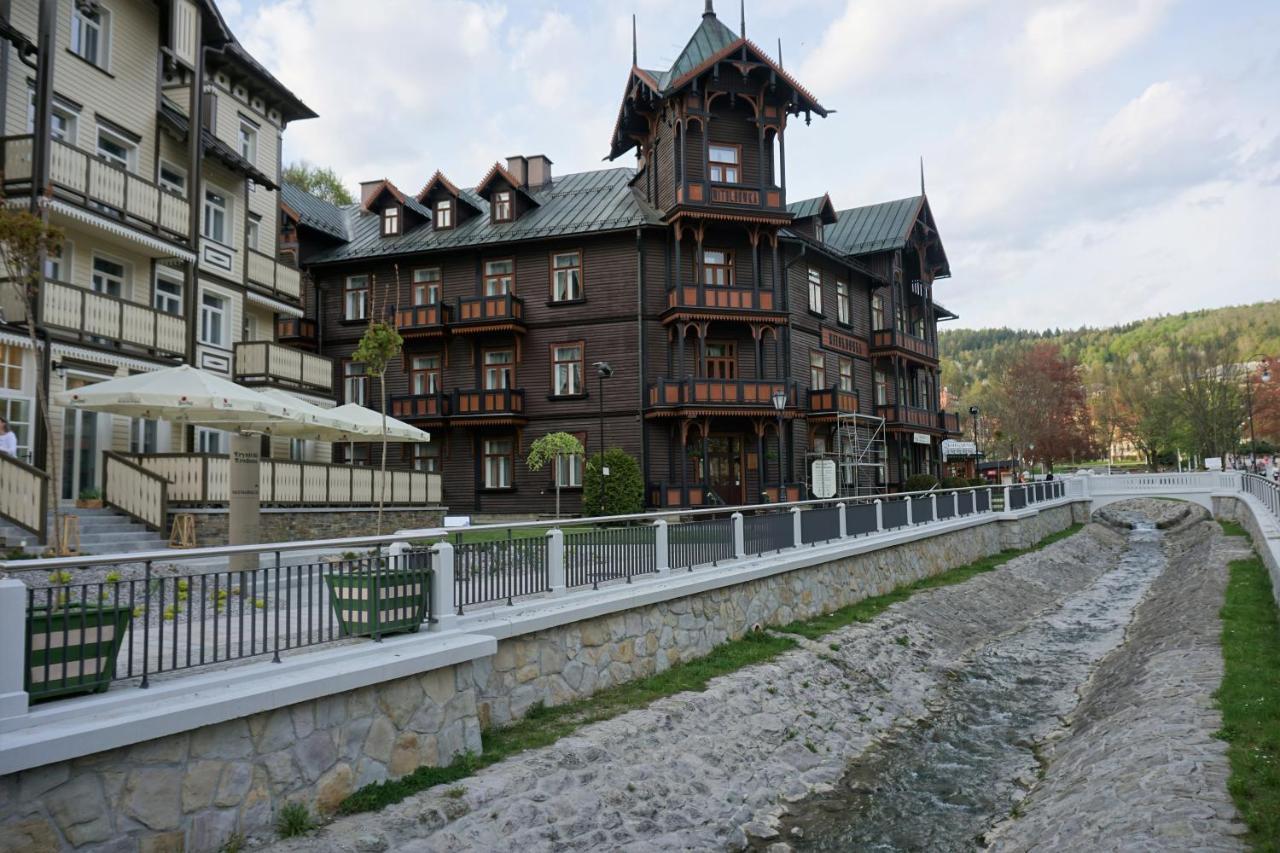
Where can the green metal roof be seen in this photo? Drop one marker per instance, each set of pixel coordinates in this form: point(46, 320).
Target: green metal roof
point(874, 228)
point(582, 203)
point(707, 40)
point(314, 212)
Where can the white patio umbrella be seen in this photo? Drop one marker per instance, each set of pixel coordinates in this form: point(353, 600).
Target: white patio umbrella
point(181, 394)
point(369, 423)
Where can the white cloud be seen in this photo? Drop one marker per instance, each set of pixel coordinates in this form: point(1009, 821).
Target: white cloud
point(1066, 40)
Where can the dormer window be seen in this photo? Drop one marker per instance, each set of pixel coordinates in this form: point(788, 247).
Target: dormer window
point(724, 162)
point(444, 214)
point(502, 206)
point(391, 221)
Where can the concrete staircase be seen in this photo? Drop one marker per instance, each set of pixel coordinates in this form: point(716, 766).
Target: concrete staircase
point(102, 531)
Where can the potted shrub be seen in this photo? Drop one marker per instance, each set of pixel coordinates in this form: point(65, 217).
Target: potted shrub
point(380, 595)
point(72, 646)
point(89, 499)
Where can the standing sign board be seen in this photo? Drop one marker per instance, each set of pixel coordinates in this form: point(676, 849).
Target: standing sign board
point(824, 478)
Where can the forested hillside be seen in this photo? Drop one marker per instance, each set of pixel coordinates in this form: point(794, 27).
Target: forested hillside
point(971, 357)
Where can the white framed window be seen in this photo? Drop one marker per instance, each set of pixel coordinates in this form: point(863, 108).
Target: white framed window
point(211, 441)
point(444, 214)
point(144, 435)
point(115, 149)
point(842, 302)
point(426, 286)
point(217, 216)
point(57, 263)
point(569, 467)
point(877, 311)
point(173, 178)
point(63, 121)
point(391, 221)
point(499, 369)
point(254, 232)
point(424, 374)
point(424, 456)
point(247, 137)
point(724, 162)
point(168, 292)
point(499, 462)
point(108, 277)
point(355, 298)
point(355, 382)
point(717, 267)
point(566, 276)
point(566, 368)
point(502, 206)
point(815, 290)
point(499, 277)
point(90, 33)
point(215, 319)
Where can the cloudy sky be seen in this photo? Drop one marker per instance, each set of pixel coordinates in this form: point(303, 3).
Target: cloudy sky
point(1089, 161)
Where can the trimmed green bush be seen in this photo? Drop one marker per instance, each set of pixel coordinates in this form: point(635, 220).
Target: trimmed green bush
point(919, 483)
point(954, 482)
point(623, 488)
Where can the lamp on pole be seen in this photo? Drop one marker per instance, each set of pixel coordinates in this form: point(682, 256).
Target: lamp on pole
point(1265, 376)
point(780, 405)
point(603, 371)
point(973, 410)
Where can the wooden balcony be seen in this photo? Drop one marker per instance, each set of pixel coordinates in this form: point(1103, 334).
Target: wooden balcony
point(266, 274)
point(909, 417)
point(670, 397)
point(725, 303)
point(296, 330)
point(479, 314)
point(432, 408)
point(423, 321)
point(742, 198)
point(85, 315)
point(949, 422)
point(886, 341)
point(259, 363)
point(828, 402)
point(477, 406)
point(110, 191)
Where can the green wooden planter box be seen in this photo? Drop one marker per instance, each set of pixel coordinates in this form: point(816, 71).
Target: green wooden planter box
point(401, 597)
point(72, 648)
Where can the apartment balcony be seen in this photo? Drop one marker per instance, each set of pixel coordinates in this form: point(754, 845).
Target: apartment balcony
point(889, 341)
point(480, 407)
point(692, 396)
point(722, 303)
point(266, 274)
point(297, 330)
point(828, 403)
point(430, 408)
point(949, 422)
point(423, 321)
point(77, 313)
point(87, 181)
point(267, 363)
point(910, 417)
point(737, 197)
point(480, 314)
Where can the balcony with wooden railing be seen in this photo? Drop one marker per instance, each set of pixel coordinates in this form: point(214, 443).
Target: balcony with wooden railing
point(269, 363)
point(829, 402)
point(423, 321)
point(268, 275)
point(296, 330)
point(85, 315)
point(912, 417)
point(478, 314)
point(95, 184)
point(478, 406)
point(727, 303)
point(669, 397)
point(430, 408)
point(884, 341)
point(949, 422)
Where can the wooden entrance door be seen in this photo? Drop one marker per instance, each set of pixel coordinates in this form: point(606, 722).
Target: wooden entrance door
point(724, 467)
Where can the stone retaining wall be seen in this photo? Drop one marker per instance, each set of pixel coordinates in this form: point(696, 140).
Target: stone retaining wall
point(192, 791)
point(280, 524)
point(1232, 509)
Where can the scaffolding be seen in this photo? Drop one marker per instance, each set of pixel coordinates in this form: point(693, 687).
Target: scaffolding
point(861, 455)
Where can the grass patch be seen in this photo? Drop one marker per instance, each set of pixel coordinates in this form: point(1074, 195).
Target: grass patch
point(1250, 698)
point(293, 820)
point(542, 726)
point(869, 608)
point(1232, 528)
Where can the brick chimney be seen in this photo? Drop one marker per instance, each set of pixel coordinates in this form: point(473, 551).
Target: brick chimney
point(367, 189)
point(539, 170)
point(518, 166)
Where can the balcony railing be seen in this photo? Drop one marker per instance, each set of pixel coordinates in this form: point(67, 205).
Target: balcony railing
point(489, 313)
point(832, 400)
point(910, 416)
point(885, 339)
point(267, 274)
point(421, 407)
point(296, 329)
point(423, 320)
point(111, 321)
point(726, 393)
point(103, 187)
point(949, 422)
point(478, 404)
point(269, 363)
point(720, 299)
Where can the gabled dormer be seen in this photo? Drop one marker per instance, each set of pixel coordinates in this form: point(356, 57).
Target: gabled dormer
point(396, 213)
point(811, 216)
point(507, 191)
point(448, 205)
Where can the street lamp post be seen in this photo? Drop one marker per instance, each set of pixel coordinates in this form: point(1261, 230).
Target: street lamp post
point(1248, 387)
point(603, 371)
point(973, 411)
point(779, 405)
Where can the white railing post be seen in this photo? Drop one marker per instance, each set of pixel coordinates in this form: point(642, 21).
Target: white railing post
point(739, 538)
point(1006, 499)
point(13, 626)
point(844, 528)
point(797, 529)
point(909, 501)
point(879, 516)
point(555, 561)
point(661, 556)
point(955, 504)
point(933, 506)
point(442, 602)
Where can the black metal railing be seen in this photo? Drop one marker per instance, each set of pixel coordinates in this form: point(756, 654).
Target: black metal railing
point(921, 509)
point(965, 502)
point(768, 531)
point(820, 525)
point(983, 500)
point(860, 518)
point(946, 506)
point(696, 543)
point(1017, 497)
point(895, 512)
point(608, 553)
point(499, 569)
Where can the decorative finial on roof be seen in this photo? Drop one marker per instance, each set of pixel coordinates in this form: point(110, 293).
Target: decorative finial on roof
point(779, 51)
point(710, 9)
point(742, 12)
point(634, 61)
point(921, 174)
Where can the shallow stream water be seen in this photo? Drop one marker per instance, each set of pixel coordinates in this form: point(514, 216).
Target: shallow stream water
point(942, 783)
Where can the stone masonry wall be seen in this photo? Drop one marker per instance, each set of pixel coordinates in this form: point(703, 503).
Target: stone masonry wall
point(1232, 510)
point(192, 791)
point(281, 525)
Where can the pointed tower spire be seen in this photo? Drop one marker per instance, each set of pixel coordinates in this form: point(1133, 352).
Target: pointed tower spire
point(742, 16)
point(709, 9)
point(921, 174)
point(634, 60)
point(779, 51)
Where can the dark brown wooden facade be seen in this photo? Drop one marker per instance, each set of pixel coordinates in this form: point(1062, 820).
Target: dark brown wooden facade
point(717, 297)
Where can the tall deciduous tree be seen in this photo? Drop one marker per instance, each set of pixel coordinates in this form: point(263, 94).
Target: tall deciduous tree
point(1146, 389)
point(379, 345)
point(1211, 395)
point(1043, 406)
point(320, 181)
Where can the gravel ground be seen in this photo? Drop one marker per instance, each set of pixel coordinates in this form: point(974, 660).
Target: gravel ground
point(709, 770)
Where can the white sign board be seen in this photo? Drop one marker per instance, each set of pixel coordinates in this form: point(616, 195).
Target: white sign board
point(457, 521)
point(921, 438)
point(824, 478)
point(1213, 463)
point(964, 449)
